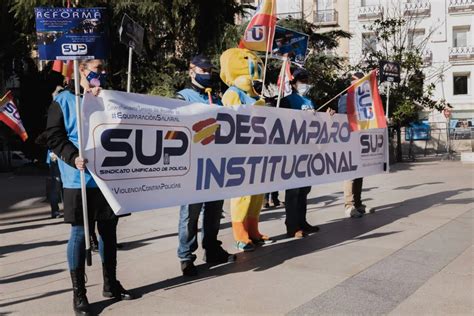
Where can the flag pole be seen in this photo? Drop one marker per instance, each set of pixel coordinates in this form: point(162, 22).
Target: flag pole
point(266, 51)
point(282, 79)
point(129, 74)
point(343, 91)
point(85, 213)
point(337, 95)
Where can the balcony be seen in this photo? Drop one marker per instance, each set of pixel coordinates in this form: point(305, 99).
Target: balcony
point(460, 54)
point(427, 57)
point(418, 8)
point(461, 6)
point(370, 12)
point(326, 17)
point(290, 15)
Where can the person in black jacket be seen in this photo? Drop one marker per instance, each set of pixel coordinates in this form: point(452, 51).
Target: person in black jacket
point(63, 141)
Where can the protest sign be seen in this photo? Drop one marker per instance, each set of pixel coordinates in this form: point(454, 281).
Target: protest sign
point(147, 152)
point(71, 33)
point(291, 43)
point(131, 34)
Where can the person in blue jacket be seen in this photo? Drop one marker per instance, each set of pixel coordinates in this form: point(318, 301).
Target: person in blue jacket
point(62, 140)
point(200, 72)
point(296, 199)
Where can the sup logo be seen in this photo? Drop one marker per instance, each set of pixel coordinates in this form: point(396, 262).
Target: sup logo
point(255, 34)
point(74, 49)
point(141, 150)
point(205, 131)
point(365, 111)
point(372, 145)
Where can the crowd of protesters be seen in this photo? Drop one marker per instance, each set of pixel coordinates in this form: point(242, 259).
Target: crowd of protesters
point(66, 164)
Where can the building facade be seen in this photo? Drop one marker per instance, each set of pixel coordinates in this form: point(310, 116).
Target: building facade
point(444, 31)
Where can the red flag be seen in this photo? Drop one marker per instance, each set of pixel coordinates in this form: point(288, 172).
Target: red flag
point(10, 116)
point(285, 73)
point(364, 105)
point(65, 67)
point(261, 28)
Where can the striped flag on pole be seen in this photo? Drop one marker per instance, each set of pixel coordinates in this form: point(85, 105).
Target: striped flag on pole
point(10, 116)
point(364, 105)
point(260, 31)
point(64, 67)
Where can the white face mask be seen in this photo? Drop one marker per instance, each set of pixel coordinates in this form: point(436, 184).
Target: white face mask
point(303, 88)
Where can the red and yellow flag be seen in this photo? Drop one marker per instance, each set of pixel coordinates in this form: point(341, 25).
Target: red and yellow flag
point(259, 33)
point(364, 105)
point(64, 67)
point(10, 116)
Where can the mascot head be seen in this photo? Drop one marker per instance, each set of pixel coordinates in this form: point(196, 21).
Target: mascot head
point(243, 69)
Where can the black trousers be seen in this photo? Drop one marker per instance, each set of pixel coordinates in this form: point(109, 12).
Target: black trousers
point(295, 208)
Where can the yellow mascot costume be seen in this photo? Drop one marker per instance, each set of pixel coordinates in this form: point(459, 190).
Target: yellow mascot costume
point(241, 70)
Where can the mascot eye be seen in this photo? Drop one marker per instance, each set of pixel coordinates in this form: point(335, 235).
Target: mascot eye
point(251, 68)
point(259, 66)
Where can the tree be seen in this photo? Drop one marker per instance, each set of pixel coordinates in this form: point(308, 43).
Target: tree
point(393, 38)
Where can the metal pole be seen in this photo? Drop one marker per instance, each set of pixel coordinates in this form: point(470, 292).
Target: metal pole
point(129, 74)
point(85, 213)
point(448, 140)
point(388, 100)
point(282, 80)
point(387, 151)
point(269, 37)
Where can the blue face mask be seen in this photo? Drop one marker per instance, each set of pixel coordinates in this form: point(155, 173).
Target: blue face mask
point(204, 80)
point(97, 80)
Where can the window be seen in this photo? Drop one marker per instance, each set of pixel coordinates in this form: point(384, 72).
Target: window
point(369, 43)
point(323, 5)
point(461, 36)
point(461, 83)
point(416, 38)
point(366, 3)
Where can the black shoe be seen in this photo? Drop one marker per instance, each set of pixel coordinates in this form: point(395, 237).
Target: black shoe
point(276, 203)
point(310, 228)
point(112, 287)
point(118, 292)
point(94, 243)
point(80, 303)
point(188, 268)
point(55, 215)
point(218, 256)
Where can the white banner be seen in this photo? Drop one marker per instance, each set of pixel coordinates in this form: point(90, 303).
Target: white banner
point(148, 152)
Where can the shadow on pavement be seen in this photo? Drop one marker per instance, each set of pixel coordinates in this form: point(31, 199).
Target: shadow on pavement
point(21, 247)
point(331, 234)
point(47, 294)
point(15, 229)
point(408, 187)
point(29, 276)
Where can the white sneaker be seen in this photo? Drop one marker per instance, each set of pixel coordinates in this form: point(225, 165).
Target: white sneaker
point(352, 212)
point(364, 209)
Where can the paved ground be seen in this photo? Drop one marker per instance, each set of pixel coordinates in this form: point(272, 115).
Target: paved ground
point(413, 256)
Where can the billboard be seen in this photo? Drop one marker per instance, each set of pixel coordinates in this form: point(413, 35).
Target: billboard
point(71, 33)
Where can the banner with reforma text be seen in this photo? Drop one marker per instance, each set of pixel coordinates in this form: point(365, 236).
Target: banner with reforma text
point(148, 152)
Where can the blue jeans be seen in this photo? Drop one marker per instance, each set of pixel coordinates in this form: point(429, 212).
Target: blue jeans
point(55, 191)
point(188, 228)
point(76, 246)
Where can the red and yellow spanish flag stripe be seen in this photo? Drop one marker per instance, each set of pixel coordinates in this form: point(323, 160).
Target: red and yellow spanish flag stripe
point(261, 29)
point(10, 116)
point(64, 67)
point(364, 105)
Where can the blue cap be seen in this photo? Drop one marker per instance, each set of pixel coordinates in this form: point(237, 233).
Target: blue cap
point(202, 62)
point(300, 74)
